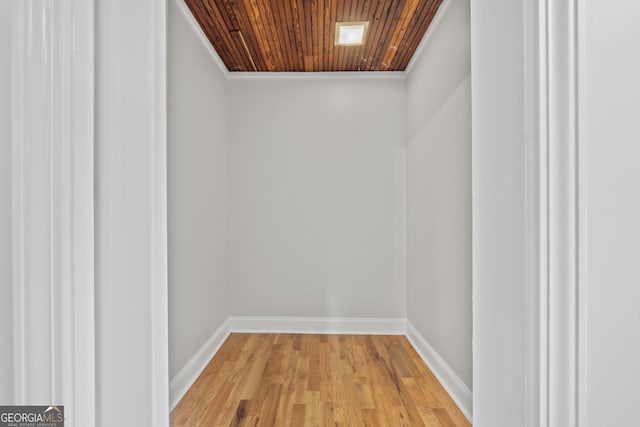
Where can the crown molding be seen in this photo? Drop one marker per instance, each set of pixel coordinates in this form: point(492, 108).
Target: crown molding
point(52, 142)
point(317, 75)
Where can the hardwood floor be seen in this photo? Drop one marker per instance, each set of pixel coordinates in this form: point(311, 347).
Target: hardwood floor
point(316, 380)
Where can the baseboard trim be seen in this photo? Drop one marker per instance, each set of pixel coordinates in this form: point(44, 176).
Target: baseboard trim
point(451, 382)
point(184, 379)
point(318, 325)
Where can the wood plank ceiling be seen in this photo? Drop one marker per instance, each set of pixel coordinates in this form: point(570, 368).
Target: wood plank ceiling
point(298, 35)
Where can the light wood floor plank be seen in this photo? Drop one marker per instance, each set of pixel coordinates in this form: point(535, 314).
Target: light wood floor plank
point(293, 380)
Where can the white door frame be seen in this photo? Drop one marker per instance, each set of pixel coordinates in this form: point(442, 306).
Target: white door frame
point(131, 211)
point(555, 194)
point(71, 335)
point(554, 185)
point(52, 205)
point(535, 42)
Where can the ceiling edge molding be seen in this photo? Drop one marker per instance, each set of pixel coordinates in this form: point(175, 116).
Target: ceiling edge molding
point(201, 35)
point(305, 75)
point(433, 26)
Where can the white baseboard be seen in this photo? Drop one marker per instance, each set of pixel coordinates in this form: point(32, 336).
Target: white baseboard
point(451, 382)
point(184, 379)
point(318, 325)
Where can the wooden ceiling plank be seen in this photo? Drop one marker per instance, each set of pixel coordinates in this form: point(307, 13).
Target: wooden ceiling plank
point(351, 51)
point(376, 27)
point(308, 63)
point(231, 59)
point(421, 23)
point(400, 30)
point(343, 15)
point(390, 22)
point(217, 11)
point(326, 35)
point(249, 35)
point(384, 22)
point(194, 7)
point(362, 14)
point(282, 31)
point(414, 26)
point(289, 33)
point(320, 33)
point(297, 29)
point(238, 34)
point(221, 33)
point(331, 25)
point(262, 36)
point(273, 30)
point(305, 18)
point(313, 32)
point(229, 15)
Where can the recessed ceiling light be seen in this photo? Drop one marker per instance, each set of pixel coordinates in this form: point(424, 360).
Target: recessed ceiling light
point(351, 33)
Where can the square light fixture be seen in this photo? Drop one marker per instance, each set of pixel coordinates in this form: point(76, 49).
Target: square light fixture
point(352, 33)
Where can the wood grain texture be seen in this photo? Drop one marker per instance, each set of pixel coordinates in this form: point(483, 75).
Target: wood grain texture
point(298, 35)
point(316, 380)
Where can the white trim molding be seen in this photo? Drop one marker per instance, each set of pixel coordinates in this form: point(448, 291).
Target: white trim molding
point(552, 197)
point(158, 247)
point(52, 201)
point(131, 224)
point(318, 325)
point(450, 381)
point(190, 372)
point(562, 199)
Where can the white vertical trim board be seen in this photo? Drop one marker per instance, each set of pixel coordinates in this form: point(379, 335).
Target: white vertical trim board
point(158, 211)
point(558, 228)
point(457, 389)
point(581, 206)
point(190, 372)
point(552, 226)
point(131, 236)
point(317, 325)
point(52, 201)
point(535, 227)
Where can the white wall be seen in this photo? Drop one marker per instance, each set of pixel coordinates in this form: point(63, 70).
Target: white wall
point(316, 181)
point(439, 190)
point(6, 312)
point(497, 77)
point(610, 125)
point(198, 191)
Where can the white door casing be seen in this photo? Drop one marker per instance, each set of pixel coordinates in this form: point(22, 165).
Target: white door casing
point(52, 205)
